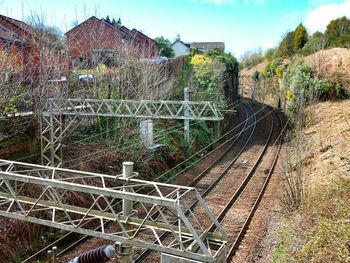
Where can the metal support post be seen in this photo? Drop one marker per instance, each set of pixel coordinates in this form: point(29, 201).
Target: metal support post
point(126, 249)
point(54, 255)
point(49, 256)
point(52, 139)
point(263, 91)
point(254, 90)
point(186, 114)
point(301, 107)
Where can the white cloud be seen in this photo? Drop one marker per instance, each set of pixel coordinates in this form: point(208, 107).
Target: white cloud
point(318, 19)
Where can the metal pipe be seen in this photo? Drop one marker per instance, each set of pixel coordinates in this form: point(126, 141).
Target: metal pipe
point(186, 115)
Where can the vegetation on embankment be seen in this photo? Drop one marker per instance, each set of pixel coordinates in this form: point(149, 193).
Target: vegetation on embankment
point(318, 63)
point(299, 42)
point(316, 198)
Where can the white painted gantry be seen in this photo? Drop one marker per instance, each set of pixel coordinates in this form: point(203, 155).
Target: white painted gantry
point(63, 115)
point(49, 196)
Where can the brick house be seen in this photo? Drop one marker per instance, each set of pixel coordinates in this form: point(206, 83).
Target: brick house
point(11, 53)
point(97, 40)
point(34, 54)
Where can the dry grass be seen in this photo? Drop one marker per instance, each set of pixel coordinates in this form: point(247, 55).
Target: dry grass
point(329, 142)
point(319, 231)
point(249, 72)
point(332, 65)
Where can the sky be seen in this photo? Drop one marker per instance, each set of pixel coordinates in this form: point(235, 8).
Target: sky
point(241, 24)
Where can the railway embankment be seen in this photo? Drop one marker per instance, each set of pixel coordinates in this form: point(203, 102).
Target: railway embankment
point(309, 219)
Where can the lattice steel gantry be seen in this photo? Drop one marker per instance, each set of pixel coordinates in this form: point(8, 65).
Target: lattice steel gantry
point(43, 195)
point(63, 115)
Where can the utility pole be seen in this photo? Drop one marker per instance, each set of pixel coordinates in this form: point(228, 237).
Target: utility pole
point(187, 114)
point(126, 249)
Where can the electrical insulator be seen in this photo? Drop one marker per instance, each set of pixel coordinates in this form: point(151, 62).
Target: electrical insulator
point(98, 255)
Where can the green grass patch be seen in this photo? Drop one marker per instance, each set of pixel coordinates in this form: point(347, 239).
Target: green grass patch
point(320, 230)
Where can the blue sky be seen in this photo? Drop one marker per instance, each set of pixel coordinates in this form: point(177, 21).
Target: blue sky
point(241, 24)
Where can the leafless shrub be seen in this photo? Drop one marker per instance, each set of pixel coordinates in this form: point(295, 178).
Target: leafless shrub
point(294, 178)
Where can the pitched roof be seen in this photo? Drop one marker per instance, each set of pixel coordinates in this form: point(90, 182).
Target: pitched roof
point(116, 28)
point(123, 29)
point(134, 30)
point(208, 45)
point(183, 43)
point(91, 18)
point(10, 36)
point(20, 24)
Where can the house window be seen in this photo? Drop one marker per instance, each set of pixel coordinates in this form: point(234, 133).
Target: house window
point(8, 48)
point(76, 62)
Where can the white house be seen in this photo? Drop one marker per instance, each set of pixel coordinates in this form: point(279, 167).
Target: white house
point(182, 48)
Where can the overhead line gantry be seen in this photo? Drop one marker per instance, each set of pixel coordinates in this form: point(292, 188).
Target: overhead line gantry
point(62, 116)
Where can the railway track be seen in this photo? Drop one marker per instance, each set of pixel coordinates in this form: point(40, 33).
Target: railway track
point(210, 177)
point(239, 211)
point(215, 190)
point(227, 153)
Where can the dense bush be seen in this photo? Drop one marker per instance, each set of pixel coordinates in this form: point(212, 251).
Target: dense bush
point(216, 72)
point(271, 68)
point(340, 41)
point(285, 48)
point(338, 27)
point(314, 44)
point(207, 73)
point(300, 76)
point(300, 38)
point(271, 54)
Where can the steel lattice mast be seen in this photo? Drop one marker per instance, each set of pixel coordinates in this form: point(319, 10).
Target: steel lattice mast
point(43, 195)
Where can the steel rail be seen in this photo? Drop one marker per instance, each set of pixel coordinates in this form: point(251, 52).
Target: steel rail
point(246, 180)
point(206, 170)
point(145, 253)
point(233, 249)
